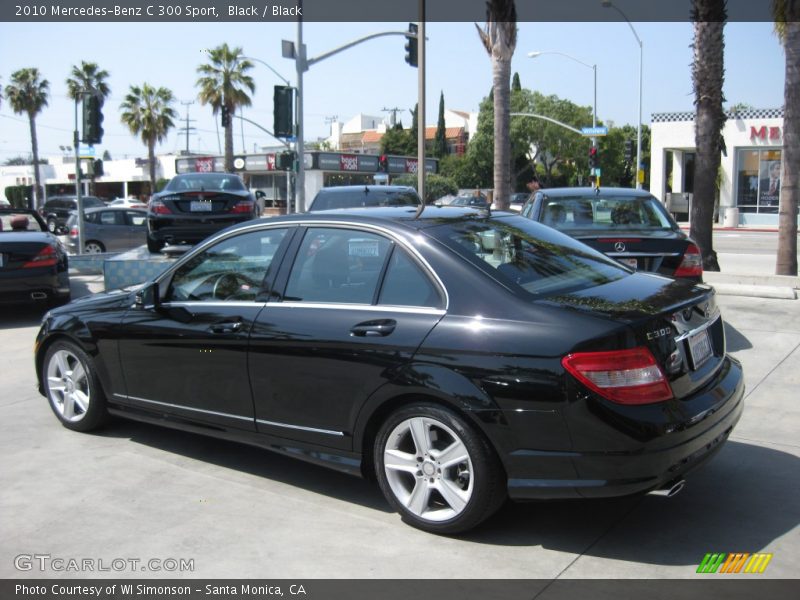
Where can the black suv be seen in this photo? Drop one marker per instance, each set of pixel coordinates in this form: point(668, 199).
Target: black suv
point(360, 196)
point(56, 210)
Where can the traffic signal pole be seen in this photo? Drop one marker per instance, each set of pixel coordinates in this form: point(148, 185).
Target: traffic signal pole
point(78, 196)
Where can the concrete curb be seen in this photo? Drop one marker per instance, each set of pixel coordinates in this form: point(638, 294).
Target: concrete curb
point(755, 291)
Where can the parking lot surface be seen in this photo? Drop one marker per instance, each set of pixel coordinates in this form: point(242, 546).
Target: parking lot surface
point(140, 492)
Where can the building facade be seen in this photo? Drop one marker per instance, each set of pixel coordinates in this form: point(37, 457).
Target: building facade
point(750, 171)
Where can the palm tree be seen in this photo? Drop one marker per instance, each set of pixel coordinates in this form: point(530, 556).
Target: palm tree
point(87, 78)
point(27, 93)
point(499, 37)
point(787, 26)
point(708, 74)
point(148, 112)
point(223, 83)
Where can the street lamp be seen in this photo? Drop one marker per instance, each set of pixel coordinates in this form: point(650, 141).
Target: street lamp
point(585, 64)
point(609, 4)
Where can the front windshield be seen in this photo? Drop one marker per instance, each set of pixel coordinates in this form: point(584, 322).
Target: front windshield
point(605, 212)
point(522, 254)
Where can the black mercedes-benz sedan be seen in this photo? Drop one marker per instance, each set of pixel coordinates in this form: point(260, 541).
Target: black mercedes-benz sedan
point(457, 357)
point(33, 263)
point(194, 206)
point(631, 226)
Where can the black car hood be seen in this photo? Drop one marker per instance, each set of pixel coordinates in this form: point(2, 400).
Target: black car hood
point(109, 299)
point(634, 297)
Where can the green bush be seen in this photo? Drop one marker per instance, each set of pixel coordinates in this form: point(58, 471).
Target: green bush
point(436, 186)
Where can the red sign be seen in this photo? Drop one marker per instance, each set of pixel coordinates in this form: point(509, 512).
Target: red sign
point(348, 162)
point(762, 132)
point(411, 165)
point(204, 165)
point(270, 162)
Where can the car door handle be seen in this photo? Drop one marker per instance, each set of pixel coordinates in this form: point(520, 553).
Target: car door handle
point(227, 327)
point(379, 328)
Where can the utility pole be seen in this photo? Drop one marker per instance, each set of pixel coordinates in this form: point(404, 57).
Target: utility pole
point(394, 111)
point(188, 128)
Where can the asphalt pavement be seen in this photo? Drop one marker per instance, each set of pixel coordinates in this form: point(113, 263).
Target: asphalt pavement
point(140, 492)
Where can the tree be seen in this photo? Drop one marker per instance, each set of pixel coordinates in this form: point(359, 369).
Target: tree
point(440, 141)
point(28, 93)
point(396, 141)
point(148, 112)
point(499, 37)
point(436, 186)
point(787, 25)
point(516, 84)
point(224, 83)
point(708, 74)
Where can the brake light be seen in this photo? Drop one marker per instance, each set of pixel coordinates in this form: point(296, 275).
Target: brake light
point(45, 258)
point(691, 264)
point(159, 208)
point(623, 376)
point(73, 232)
point(243, 207)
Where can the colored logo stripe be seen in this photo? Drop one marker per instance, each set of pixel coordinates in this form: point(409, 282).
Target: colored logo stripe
point(735, 562)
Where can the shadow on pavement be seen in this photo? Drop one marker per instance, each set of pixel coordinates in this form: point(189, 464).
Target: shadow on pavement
point(19, 316)
point(735, 341)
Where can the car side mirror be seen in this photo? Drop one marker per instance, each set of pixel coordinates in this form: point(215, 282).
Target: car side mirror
point(147, 296)
point(260, 194)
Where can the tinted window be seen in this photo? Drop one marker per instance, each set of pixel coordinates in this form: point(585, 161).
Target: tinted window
point(337, 265)
point(332, 199)
point(518, 251)
point(89, 202)
point(111, 217)
point(218, 182)
point(406, 284)
point(605, 212)
point(135, 218)
point(231, 270)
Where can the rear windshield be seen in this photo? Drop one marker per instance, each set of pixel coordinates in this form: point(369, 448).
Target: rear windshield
point(213, 182)
point(91, 202)
point(604, 212)
point(528, 257)
point(11, 221)
point(333, 199)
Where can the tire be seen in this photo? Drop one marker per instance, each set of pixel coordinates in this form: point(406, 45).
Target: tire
point(154, 246)
point(94, 247)
point(429, 493)
point(52, 226)
point(72, 387)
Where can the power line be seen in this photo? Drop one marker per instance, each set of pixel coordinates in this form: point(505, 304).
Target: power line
point(188, 128)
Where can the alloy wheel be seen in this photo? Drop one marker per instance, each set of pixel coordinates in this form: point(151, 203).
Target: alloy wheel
point(68, 386)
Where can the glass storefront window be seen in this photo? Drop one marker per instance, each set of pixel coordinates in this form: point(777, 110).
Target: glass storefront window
point(758, 181)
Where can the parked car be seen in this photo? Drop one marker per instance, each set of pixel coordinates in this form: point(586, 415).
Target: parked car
point(515, 202)
point(476, 201)
point(33, 263)
point(628, 225)
point(458, 358)
point(128, 203)
point(193, 206)
point(57, 209)
point(109, 229)
point(359, 196)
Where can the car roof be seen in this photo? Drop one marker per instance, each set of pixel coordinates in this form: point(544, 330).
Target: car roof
point(604, 192)
point(341, 189)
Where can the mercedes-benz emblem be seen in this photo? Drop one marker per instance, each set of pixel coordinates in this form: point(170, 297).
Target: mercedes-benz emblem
point(619, 246)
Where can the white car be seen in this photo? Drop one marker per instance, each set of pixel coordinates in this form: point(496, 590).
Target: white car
point(128, 203)
point(4, 203)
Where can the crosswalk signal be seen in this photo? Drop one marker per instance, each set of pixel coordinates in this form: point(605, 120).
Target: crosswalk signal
point(412, 44)
point(283, 111)
point(92, 119)
point(225, 116)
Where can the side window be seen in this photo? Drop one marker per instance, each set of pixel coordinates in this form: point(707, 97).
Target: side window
point(232, 270)
point(406, 284)
point(110, 217)
point(135, 218)
point(337, 265)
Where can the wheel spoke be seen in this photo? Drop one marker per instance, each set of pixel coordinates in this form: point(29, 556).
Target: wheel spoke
point(61, 364)
point(420, 432)
point(420, 495)
point(69, 406)
point(454, 454)
point(78, 373)
point(452, 494)
point(81, 399)
point(55, 384)
point(396, 460)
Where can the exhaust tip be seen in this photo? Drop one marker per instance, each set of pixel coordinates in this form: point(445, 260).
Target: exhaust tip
point(673, 488)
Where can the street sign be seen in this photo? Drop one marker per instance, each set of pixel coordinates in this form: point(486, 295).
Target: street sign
point(594, 131)
point(86, 151)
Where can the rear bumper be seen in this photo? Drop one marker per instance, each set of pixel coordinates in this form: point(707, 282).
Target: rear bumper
point(686, 440)
point(190, 229)
point(21, 286)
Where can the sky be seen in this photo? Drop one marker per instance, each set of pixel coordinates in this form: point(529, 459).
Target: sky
point(371, 76)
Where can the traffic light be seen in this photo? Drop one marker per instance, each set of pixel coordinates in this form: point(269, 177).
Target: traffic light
point(593, 159)
point(628, 151)
point(283, 111)
point(92, 119)
point(383, 164)
point(225, 116)
point(284, 161)
point(98, 168)
point(412, 44)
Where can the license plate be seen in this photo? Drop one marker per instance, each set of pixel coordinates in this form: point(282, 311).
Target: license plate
point(198, 206)
point(629, 262)
point(700, 348)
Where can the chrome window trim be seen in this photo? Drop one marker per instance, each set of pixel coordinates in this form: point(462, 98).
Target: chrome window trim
point(317, 223)
point(180, 406)
point(422, 310)
point(300, 427)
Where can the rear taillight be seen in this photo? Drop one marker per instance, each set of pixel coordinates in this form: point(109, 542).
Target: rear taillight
point(624, 376)
point(73, 232)
point(45, 258)
point(691, 264)
point(159, 208)
point(243, 207)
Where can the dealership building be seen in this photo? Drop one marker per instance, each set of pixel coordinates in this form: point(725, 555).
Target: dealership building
point(750, 171)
